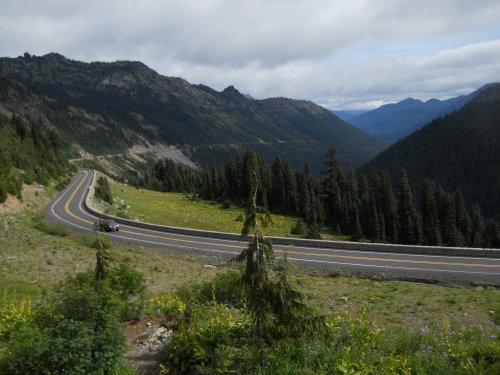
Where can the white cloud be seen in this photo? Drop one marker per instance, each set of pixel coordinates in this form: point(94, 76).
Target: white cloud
point(338, 53)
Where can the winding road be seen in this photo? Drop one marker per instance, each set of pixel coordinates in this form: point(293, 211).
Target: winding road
point(68, 210)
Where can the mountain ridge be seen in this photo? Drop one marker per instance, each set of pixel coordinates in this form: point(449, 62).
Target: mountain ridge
point(127, 103)
point(394, 121)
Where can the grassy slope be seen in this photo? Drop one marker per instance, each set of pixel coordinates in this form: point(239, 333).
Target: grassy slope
point(33, 261)
point(177, 209)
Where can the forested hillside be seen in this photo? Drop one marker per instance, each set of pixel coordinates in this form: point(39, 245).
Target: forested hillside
point(28, 153)
point(361, 208)
point(458, 151)
point(109, 107)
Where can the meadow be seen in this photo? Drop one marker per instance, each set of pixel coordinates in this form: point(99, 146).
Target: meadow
point(185, 210)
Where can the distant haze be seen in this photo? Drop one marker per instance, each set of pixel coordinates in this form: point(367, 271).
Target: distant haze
point(341, 54)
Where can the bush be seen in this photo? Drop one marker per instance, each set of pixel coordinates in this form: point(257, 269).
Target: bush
point(225, 287)
point(298, 229)
point(130, 286)
point(218, 339)
point(48, 227)
point(103, 191)
point(63, 183)
point(210, 341)
point(14, 316)
point(76, 331)
point(3, 193)
point(91, 241)
point(168, 305)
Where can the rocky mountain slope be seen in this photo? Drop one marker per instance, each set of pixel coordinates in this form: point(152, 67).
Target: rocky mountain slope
point(105, 108)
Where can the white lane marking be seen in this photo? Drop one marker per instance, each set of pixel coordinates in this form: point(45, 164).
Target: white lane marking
point(62, 195)
point(364, 252)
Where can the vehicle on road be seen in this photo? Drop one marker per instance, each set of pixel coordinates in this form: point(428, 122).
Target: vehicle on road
point(107, 225)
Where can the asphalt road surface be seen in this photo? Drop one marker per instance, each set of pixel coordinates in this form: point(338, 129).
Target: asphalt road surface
point(68, 210)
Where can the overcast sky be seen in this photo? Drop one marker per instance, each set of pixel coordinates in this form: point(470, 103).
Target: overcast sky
point(342, 54)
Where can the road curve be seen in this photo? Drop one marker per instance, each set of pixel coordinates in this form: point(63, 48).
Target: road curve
point(68, 210)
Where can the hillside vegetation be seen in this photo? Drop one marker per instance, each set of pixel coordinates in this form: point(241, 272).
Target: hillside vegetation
point(381, 326)
point(458, 151)
point(108, 107)
point(28, 154)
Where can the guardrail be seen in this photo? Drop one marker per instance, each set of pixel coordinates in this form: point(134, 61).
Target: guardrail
point(299, 242)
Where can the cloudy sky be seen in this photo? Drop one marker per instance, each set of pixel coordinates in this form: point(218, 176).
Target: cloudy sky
point(342, 54)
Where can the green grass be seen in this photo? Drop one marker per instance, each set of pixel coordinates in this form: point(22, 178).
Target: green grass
point(177, 209)
point(390, 303)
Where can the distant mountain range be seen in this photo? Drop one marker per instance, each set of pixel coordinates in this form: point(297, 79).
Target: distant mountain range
point(347, 116)
point(104, 108)
point(460, 150)
point(392, 122)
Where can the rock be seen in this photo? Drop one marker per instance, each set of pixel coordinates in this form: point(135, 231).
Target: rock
point(208, 266)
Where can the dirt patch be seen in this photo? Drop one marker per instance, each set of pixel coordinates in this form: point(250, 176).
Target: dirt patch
point(147, 338)
point(13, 204)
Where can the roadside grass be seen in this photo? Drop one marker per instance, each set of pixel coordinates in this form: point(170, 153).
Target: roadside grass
point(33, 261)
point(180, 210)
point(416, 306)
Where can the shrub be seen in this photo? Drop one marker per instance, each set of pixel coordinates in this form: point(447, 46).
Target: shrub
point(13, 316)
point(130, 286)
point(103, 191)
point(226, 204)
point(48, 227)
point(75, 332)
point(63, 182)
point(298, 229)
point(225, 287)
point(91, 241)
point(336, 272)
point(3, 193)
point(209, 341)
point(168, 305)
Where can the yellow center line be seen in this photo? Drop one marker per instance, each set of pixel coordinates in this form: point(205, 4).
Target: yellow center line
point(72, 196)
point(70, 199)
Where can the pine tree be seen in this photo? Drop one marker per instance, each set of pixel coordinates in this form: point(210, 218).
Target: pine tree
point(430, 217)
point(313, 219)
point(333, 184)
point(477, 227)
point(448, 221)
point(102, 262)
point(257, 257)
point(374, 230)
point(462, 219)
point(387, 203)
point(250, 175)
point(492, 234)
point(409, 231)
point(291, 194)
point(357, 233)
